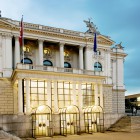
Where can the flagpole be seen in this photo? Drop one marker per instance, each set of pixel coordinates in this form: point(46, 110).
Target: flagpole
point(22, 41)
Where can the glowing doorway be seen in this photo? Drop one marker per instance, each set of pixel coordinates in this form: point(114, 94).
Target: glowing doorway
point(69, 120)
point(42, 121)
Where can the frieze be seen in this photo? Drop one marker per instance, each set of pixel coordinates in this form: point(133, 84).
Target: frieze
point(52, 31)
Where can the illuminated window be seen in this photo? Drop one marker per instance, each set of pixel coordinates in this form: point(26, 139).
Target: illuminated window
point(64, 94)
point(97, 66)
point(26, 49)
point(47, 51)
point(88, 94)
point(66, 54)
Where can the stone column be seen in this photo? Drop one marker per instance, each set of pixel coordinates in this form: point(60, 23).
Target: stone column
point(27, 96)
point(55, 98)
point(1, 67)
point(61, 49)
point(20, 97)
point(40, 42)
point(80, 97)
point(17, 51)
point(96, 94)
point(49, 93)
point(8, 52)
point(81, 57)
point(74, 93)
point(88, 58)
point(101, 96)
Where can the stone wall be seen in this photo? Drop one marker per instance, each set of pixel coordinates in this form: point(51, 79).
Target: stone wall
point(110, 119)
point(107, 96)
point(118, 99)
point(19, 125)
point(6, 96)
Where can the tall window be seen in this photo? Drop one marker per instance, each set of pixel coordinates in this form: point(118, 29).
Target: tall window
point(38, 93)
point(88, 94)
point(27, 61)
point(97, 66)
point(47, 63)
point(67, 65)
point(64, 94)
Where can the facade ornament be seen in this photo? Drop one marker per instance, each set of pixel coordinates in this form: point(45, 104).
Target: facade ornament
point(119, 46)
point(92, 27)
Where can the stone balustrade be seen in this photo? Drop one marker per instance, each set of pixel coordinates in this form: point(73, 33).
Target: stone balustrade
point(58, 69)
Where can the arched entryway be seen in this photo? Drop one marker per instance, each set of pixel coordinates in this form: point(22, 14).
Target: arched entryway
point(69, 120)
point(42, 121)
point(93, 119)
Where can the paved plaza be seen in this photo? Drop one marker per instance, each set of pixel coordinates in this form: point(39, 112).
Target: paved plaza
point(97, 136)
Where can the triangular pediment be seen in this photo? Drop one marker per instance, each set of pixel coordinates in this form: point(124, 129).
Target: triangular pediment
point(4, 22)
point(105, 39)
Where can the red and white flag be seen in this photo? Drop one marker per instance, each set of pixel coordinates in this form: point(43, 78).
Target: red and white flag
point(21, 33)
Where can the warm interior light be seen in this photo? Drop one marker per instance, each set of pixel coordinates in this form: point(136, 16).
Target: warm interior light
point(41, 108)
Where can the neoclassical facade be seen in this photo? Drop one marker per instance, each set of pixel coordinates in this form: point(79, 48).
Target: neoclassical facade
point(60, 86)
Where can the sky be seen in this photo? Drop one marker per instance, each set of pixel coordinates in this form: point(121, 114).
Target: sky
point(119, 19)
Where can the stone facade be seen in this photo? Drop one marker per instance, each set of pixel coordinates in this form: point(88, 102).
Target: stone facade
point(60, 72)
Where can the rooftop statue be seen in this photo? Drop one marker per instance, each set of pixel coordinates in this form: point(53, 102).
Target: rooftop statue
point(92, 27)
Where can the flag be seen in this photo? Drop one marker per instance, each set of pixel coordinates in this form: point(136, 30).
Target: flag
point(21, 33)
point(95, 43)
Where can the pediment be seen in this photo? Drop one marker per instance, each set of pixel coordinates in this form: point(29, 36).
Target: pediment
point(105, 39)
point(5, 23)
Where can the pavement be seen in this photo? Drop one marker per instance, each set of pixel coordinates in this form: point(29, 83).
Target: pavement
point(96, 136)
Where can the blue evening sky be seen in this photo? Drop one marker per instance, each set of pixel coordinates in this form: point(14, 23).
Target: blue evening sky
point(119, 19)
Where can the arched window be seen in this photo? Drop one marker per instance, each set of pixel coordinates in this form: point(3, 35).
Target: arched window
point(47, 63)
point(27, 61)
point(97, 66)
point(67, 65)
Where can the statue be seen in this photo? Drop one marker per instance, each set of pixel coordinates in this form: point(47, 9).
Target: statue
point(92, 27)
point(119, 46)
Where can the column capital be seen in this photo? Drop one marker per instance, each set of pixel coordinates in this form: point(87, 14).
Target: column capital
point(40, 40)
point(8, 35)
point(82, 46)
point(61, 43)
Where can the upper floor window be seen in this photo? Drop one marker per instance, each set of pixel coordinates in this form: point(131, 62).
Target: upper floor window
point(47, 51)
point(26, 49)
point(27, 61)
point(67, 65)
point(47, 63)
point(97, 66)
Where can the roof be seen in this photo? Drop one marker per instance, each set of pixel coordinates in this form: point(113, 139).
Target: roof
point(132, 96)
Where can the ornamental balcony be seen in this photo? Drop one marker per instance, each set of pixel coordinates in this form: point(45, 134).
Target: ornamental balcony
point(58, 69)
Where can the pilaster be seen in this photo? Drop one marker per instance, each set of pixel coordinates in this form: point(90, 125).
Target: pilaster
point(61, 51)
point(81, 57)
point(40, 42)
point(20, 97)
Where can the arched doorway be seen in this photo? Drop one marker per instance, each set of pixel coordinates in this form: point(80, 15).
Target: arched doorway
point(93, 119)
point(69, 120)
point(42, 121)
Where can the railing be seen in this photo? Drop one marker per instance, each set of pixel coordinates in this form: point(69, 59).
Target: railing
point(58, 69)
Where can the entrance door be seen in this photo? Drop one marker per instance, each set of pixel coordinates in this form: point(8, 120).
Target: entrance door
point(42, 123)
point(70, 120)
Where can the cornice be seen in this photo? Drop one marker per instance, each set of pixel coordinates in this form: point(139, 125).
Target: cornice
point(54, 32)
